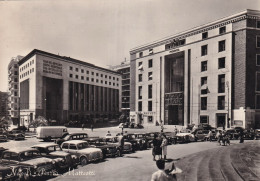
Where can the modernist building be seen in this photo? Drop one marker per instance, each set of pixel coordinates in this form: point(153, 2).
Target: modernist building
point(13, 87)
point(62, 88)
point(208, 74)
point(4, 105)
point(124, 69)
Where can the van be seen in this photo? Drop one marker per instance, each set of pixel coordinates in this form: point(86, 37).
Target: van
point(51, 132)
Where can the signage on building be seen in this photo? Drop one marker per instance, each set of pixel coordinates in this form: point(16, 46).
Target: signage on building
point(52, 67)
point(146, 113)
point(175, 50)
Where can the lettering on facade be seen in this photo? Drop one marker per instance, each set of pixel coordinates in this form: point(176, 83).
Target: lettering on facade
point(174, 99)
point(52, 67)
point(175, 50)
point(146, 113)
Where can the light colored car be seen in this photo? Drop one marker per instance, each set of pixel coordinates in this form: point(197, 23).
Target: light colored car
point(83, 150)
point(113, 140)
point(257, 133)
point(63, 159)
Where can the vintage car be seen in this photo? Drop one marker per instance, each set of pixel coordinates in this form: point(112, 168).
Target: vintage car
point(16, 135)
point(136, 126)
point(73, 136)
point(185, 137)
point(149, 137)
point(83, 150)
point(107, 149)
point(63, 160)
point(249, 134)
point(171, 137)
point(3, 138)
point(1, 150)
point(114, 140)
point(130, 137)
point(232, 133)
point(141, 140)
point(31, 161)
point(6, 173)
point(201, 135)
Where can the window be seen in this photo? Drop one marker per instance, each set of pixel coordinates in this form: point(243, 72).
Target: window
point(15, 93)
point(140, 54)
point(96, 80)
point(101, 75)
point(87, 78)
point(114, 78)
point(150, 63)
point(101, 81)
point(109, 77)
point(117, 79)
point(105, 76)
point(150, 91)
point(114, 84)
point(203, 103)
point(76, 76)
point(77, 69)
point(15, 73)
point(150, 51)
point(97, 74)
point(140, 90)
point(204, 50)
point(221, 102)
point(140, 106)
point(150, 75)
point(221, 83)
point(15, 80)
point(92, 79)
point(221, 46)
point(204, 35)
point(109, 83)
point(92, 73)
point(222, 30)
point(140, 77)
point(257, 101)
point(221, 63)
point(82, 70)
point(258, 60)
point(258, 41)
point(204, 66)
point(150, 105)
point(258, 24)
point(204, 119)
point(150, 119)
point(203, 81)
point(257, 81)
point(105, 82)
point(87, 72)
point(82, 77)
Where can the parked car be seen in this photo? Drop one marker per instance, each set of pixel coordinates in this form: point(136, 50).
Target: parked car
point(83, 150)
point(171, 137)
point(141, 140)
point(16, 135)
point(149, 137)
point(185, 137)
point(232, 133)
point(137, 126)
point(131, 139)
point(51, 132)
point(31, 161)
point(21, 128)
point(108, 150)
point(123, 125)
point(249, 134)
point(114, 141)
point(2, 149)
point(3, 138)
point(6, 173)
point(257, 134)
point(63, 160)
point(73, 136)
point(201, 135)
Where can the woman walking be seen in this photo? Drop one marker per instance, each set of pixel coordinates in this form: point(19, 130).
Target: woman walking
point(164, 146)
point(157, 150)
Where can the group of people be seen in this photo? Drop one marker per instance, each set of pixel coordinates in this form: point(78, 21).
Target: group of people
point(159, 146)
point(222, 136)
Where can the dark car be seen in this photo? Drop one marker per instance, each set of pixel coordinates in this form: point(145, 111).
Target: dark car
point(3, 138)
point(249, 134)
point(149, 137)
point(31, 161)
point(108, 150)
point(137, 126)
point(21, 128)
point(73, 136)
point(171, 137)
point(63, 160)
point(232, 133)
point(130, 137)
point(16, 135)
point(141, 140)
point(6, 173)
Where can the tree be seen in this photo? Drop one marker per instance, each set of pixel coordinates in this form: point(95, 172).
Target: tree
point(39, 121)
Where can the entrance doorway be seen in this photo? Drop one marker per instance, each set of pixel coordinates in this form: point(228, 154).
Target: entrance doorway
point(221, 118)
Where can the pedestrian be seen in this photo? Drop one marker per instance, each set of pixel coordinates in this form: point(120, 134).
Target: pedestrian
point(83, 126)
point(157, 150)
point(241, 134)
point(220, 137)
point(165, 175)
point(121, 143)
point(92, 127)
point(164, 147)
point(209, 136)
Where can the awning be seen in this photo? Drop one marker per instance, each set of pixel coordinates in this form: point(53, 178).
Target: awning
point(204, 87)
point(140, 67)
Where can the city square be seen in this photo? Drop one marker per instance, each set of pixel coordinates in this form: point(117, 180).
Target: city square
point(130, 90)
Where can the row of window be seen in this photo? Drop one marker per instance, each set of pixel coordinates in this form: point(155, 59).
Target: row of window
point(141, 54)
point(93, 73)
point(221, 84)
point(150, 76)
point(221, 48)
point(204, 103)
point(27, 73)
point(221, 64)
point(150, 106)
point(93, 80)
point(26, 65)
point(150, 92)
point(221, 31)
point(150, 64)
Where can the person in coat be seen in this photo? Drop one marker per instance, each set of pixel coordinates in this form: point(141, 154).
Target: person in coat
point(164, 147)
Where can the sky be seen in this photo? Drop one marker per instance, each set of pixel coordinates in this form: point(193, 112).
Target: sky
point(100, 32)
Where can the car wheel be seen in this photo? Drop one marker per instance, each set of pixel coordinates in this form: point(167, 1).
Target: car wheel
point(83, 161)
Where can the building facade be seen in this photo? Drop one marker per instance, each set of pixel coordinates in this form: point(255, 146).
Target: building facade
point(13, 87)
point(208, 74)
point(65, 89)
point(124, 69)
point(4, 105)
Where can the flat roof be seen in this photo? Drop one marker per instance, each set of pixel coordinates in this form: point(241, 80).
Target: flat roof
point(62, 58)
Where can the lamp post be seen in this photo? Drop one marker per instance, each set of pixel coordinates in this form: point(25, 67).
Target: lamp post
point(228, 119)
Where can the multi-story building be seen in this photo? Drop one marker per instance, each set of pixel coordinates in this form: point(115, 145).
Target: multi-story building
point(124, 69)
point(62, 88)
point(13, 86)
point(4, 105)
point(208, 74)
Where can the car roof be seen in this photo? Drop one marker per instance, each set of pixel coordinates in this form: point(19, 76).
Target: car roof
point(20, 149)
point(45, 145)
point(78, 134)
point(75, 141)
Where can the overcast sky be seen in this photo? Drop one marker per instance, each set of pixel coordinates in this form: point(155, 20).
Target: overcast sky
point(100, 31)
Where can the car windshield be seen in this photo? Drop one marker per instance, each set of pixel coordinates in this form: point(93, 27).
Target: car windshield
point(54, 148)
point(67, 137)
point(27, 155)
point(140, 136)
point(83, 145)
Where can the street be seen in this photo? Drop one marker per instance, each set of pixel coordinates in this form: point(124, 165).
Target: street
point(198, 160)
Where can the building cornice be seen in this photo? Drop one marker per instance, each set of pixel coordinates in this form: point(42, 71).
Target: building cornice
point(247, 14)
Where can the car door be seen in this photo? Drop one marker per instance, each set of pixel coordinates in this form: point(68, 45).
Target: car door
point(73, 148)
